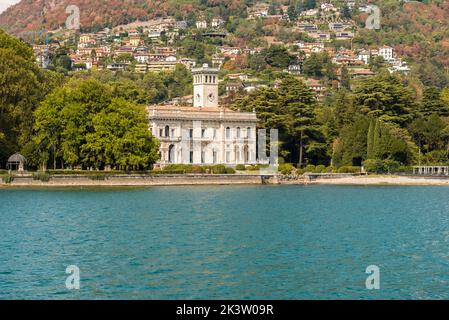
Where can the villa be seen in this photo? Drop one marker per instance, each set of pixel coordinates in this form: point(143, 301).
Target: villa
point(205, 133)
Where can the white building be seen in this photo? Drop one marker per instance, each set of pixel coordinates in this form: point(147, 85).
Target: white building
point(204, 133)
point(386, 52)
point(217, 22)
point(364, 56)
point(201, 24)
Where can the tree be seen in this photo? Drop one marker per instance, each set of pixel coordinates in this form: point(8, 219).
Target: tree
point(277, 56)
point(370, 143)
point(385, 97)
point(430, 134)
point(445, 96)
point(313, 66)
point(299, 103)
point(120, 138)
point(319, 65)
point(82, 125)
point(345, 78)
point(346, 12)
point(350, 149)
point(292, 14)
point(292, 110)
point(432, 102)
point(376, 148)
point(309, 4)
point(22, 86)
point(273, 8)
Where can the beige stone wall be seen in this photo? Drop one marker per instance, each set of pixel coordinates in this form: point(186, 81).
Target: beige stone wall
point(137, 180)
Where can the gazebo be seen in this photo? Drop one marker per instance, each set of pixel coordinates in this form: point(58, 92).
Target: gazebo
point(16, 162)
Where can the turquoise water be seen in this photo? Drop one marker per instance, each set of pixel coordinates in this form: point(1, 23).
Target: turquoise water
point(263, 242)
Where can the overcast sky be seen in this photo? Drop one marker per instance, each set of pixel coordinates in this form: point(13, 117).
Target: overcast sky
point(6, 3)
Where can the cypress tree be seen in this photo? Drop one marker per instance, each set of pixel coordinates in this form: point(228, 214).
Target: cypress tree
point(377, 141)
point(370, 144)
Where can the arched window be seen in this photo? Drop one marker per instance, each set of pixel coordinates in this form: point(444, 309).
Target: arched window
point(167, 131)
point(238, 132)
point(171, 154)
point(228, 133)
point(248, 133)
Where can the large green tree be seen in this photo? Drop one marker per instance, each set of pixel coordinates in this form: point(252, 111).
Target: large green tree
point(22, 86)
point(387, 98)
point(83, 125)
point(292, 109)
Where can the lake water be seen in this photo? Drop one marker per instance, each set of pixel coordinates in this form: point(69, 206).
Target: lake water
point(262, 242)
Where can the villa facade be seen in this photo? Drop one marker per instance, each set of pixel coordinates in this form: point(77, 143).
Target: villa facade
point(205, 133)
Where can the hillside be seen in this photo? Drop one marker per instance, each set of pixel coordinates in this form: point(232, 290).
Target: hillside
point(418, 31)
point(30, 15)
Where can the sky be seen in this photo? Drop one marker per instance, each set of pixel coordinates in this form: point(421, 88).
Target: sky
point(6, 3)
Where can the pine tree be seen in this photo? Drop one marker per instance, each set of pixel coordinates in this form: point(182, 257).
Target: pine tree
point(292, 14)
point(345, 79)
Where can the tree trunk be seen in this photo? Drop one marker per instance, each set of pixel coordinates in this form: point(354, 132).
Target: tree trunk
point(54, 157)
point(300, 150)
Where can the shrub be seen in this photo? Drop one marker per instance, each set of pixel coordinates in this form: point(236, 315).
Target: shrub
point(391, 165)
point(41, 176)
point(381, 166)
point(320, 169)
point(8, 178)
point(240, 167)
point(310, 168)
point(286, 168)
point(229, 171)
point(404, 169)
point(98, 176)
point(349, 169)
point(330, 169)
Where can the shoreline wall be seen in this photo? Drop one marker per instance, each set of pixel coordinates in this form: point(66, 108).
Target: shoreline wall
point(143, 180)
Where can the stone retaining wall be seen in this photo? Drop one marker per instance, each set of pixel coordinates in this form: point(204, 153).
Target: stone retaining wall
point(144, 180)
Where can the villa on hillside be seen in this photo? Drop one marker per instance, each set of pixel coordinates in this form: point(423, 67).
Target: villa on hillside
point(205, 133)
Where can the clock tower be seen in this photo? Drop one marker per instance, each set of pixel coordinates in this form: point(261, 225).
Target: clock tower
point(205, 87)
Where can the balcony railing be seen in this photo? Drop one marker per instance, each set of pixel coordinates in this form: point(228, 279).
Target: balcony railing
point(170, 139)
